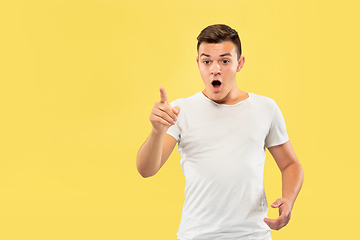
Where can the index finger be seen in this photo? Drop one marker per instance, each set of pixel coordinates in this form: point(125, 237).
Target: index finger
point(163, 95)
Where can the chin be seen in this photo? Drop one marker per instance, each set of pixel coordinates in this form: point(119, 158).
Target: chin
point(217, 96)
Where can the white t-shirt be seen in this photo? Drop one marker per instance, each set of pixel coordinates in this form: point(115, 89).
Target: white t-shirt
point(222, 149)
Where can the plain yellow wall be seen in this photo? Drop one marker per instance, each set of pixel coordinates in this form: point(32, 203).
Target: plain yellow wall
point(78, 81)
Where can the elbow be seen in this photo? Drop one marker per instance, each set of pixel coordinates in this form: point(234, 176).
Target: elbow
point(293, 165)
point(145, 173)
point(295, 169)
point(144, 168)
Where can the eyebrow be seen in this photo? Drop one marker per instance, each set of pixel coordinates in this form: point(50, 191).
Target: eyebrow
point(222, 55)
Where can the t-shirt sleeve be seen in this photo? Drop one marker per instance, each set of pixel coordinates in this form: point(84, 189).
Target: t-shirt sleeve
point(277, 133)
point(175, 130)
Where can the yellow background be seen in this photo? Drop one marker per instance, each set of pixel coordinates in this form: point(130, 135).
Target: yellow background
point(78, 81)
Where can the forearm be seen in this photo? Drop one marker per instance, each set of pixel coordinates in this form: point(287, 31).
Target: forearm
point(149, 156)
point(292, 179)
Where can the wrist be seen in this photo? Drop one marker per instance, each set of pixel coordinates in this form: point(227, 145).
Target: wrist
point(158, 133)
point(289, 201)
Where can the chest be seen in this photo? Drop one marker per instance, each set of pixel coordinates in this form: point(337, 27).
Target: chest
point(218, 126)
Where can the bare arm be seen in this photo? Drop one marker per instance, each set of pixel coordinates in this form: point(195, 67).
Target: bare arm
point(158, 146)
point(153, 153)
point(292, 179)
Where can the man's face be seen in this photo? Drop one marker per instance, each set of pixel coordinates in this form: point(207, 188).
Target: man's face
point(218, 66)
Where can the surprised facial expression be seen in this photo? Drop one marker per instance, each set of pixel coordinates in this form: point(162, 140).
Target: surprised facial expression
point(218, 64)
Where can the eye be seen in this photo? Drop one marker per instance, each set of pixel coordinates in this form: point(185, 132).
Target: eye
point(206, 61)
point(225, 61)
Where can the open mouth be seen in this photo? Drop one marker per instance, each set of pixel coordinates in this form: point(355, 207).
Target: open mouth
point(216, 83)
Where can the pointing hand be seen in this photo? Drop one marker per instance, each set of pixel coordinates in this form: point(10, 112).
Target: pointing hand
point(163, 115)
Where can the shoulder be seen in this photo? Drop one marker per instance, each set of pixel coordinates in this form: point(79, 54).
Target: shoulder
point(262, 100)
point(188, 100)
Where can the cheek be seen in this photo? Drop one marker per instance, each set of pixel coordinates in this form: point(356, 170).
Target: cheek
point(202, 69)
point(203, 72)
point(230, 71)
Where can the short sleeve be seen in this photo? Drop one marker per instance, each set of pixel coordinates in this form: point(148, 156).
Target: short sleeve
point(277, 133)
point(175, 130)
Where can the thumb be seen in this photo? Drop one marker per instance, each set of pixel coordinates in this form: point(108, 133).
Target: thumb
point(277, 203)
point(176, 110)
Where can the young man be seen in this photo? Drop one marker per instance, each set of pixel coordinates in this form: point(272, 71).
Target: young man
point(222, 133)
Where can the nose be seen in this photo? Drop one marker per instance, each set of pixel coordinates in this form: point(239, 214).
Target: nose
point(215, 69)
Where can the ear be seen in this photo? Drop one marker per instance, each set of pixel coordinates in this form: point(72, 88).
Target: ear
point(197, 60)
point(240, 63)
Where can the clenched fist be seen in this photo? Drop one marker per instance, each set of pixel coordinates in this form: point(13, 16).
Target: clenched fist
point(163, 115)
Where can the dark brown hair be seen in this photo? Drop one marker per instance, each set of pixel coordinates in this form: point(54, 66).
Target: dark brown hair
point(219, 33)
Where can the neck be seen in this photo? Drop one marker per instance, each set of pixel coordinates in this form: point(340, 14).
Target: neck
point(233, 97)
